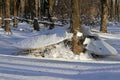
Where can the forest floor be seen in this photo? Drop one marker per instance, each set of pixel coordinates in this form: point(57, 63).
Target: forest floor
point(14, 67)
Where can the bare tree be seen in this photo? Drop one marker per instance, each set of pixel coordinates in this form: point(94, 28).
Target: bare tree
point(104, 16)
point(77, 46)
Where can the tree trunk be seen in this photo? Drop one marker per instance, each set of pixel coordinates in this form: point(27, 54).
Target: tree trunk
point(36, 25)
point(39, 9)
point(117, 10)
point(77, 43)
point(112, 10)
point(36, 8)
point(51, 5)
point(26, 10)
point(31, 8)
point(104, 16)
point(22, 8)
point(15, 25)
point(1, 13)
point(7, 16)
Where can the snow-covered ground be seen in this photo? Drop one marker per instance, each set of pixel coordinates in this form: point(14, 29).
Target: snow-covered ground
point(20, 68)
point(67, 68)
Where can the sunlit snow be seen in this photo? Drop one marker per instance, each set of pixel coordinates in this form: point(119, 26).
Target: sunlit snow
point(59, 63)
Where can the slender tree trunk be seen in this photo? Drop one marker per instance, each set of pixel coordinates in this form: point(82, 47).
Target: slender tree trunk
point(77, 43)
point(119, 11)
point(7, 16)
point(32, 9)
point(112, 10)
point(39, 9)
point(22, 8)
point(116, 10)
point(26, 11)
point(15, 25)
point(36, 8)
point(3, 8)
point(104, 16)
point(51, 5)
point(1, 13)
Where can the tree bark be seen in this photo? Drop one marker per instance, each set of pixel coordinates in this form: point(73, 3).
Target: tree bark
point(22, 8)
point(15, 25)
point(39, 9)
point(1, 13)
point(36, 25)
point(117, 10)
point(104, 16)
point(7, 16)
point(112, 10)
point(51, 5)
point(77, 43)
point(36, 8)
